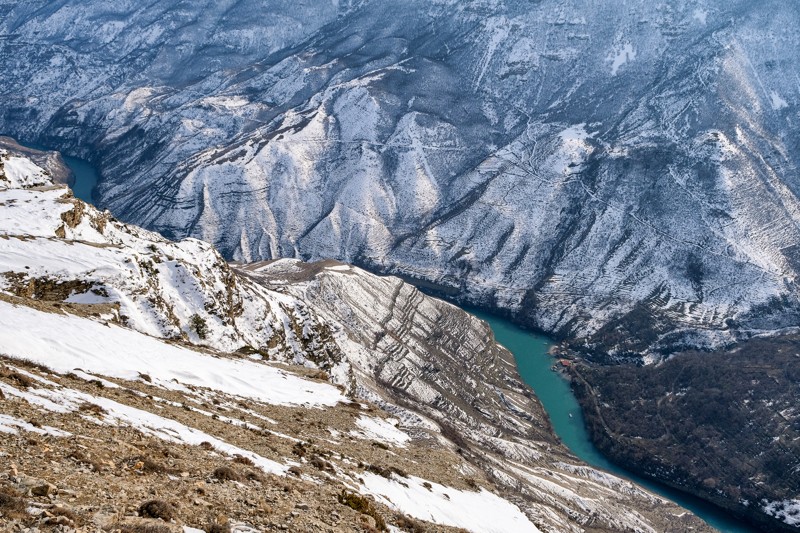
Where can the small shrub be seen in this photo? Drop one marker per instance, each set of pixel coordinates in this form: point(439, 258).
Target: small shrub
point(321, 464)
point(363, 506)
point(157, 509)
point(218, 527)
point(299, 449)
point(242, 460)
point(11, 504)
point(354, 501)
point(145, 464)
point(93, 408)
point(199, 325)
point(100, 291)
point(21, 380)
point(255, 475)
point(226, 473)
point(399, 471)
point(144, 528)
point(82, 458)
point(409, 524)
point(387, 471)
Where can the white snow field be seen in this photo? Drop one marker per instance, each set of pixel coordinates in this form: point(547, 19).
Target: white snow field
point(481, 512)
point(64, 343)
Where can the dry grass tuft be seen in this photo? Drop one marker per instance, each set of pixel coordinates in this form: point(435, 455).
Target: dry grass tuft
point(11, 504)
point(143, 528)
point(20, 379)
point(82, 458)
point(226, 473)
point(218, 527)
point(146, 464)
point(93, 408)
point(242, 460)
point(157, 509)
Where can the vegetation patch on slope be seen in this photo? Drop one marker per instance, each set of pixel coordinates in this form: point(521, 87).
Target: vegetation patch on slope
point(723, 425)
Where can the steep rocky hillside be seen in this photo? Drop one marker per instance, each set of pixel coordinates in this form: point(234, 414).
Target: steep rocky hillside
point(621, 174)
point(724, 425)
point(274, 396)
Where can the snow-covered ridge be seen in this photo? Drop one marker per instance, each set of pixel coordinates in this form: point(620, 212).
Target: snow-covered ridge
point(58, 247)
point(17, 172)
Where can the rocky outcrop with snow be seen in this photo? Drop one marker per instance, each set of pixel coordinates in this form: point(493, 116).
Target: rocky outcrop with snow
point(181, 342)
point(624, 176)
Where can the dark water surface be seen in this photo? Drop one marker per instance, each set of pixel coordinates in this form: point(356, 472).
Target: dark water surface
point(86, 178)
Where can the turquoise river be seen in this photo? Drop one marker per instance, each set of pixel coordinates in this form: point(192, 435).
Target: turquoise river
point(535, 366)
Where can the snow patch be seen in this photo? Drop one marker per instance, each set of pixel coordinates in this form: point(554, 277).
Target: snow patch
point(481, 511)
point(787, 511)
point(777, 101)
point(621, 56)
point(10, 424)
point(381, 430)
point(700, 15)
point(64, 343)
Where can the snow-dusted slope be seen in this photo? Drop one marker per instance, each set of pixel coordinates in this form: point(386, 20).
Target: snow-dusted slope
point(110, 350)
point(431, 364)
point(623, 173)
point(68, 250)
point(72, 277)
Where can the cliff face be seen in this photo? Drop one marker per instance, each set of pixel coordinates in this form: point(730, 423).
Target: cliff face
point(188, 349)
point(622, 175)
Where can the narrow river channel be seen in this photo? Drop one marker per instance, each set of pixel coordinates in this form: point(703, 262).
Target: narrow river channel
point(534, 363)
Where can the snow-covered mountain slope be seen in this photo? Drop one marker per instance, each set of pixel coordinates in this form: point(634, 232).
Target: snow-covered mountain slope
point(70, 251)
point(624, 174)
point(183, 345)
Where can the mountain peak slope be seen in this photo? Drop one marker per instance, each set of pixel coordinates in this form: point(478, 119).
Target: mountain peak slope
point(624, 178)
